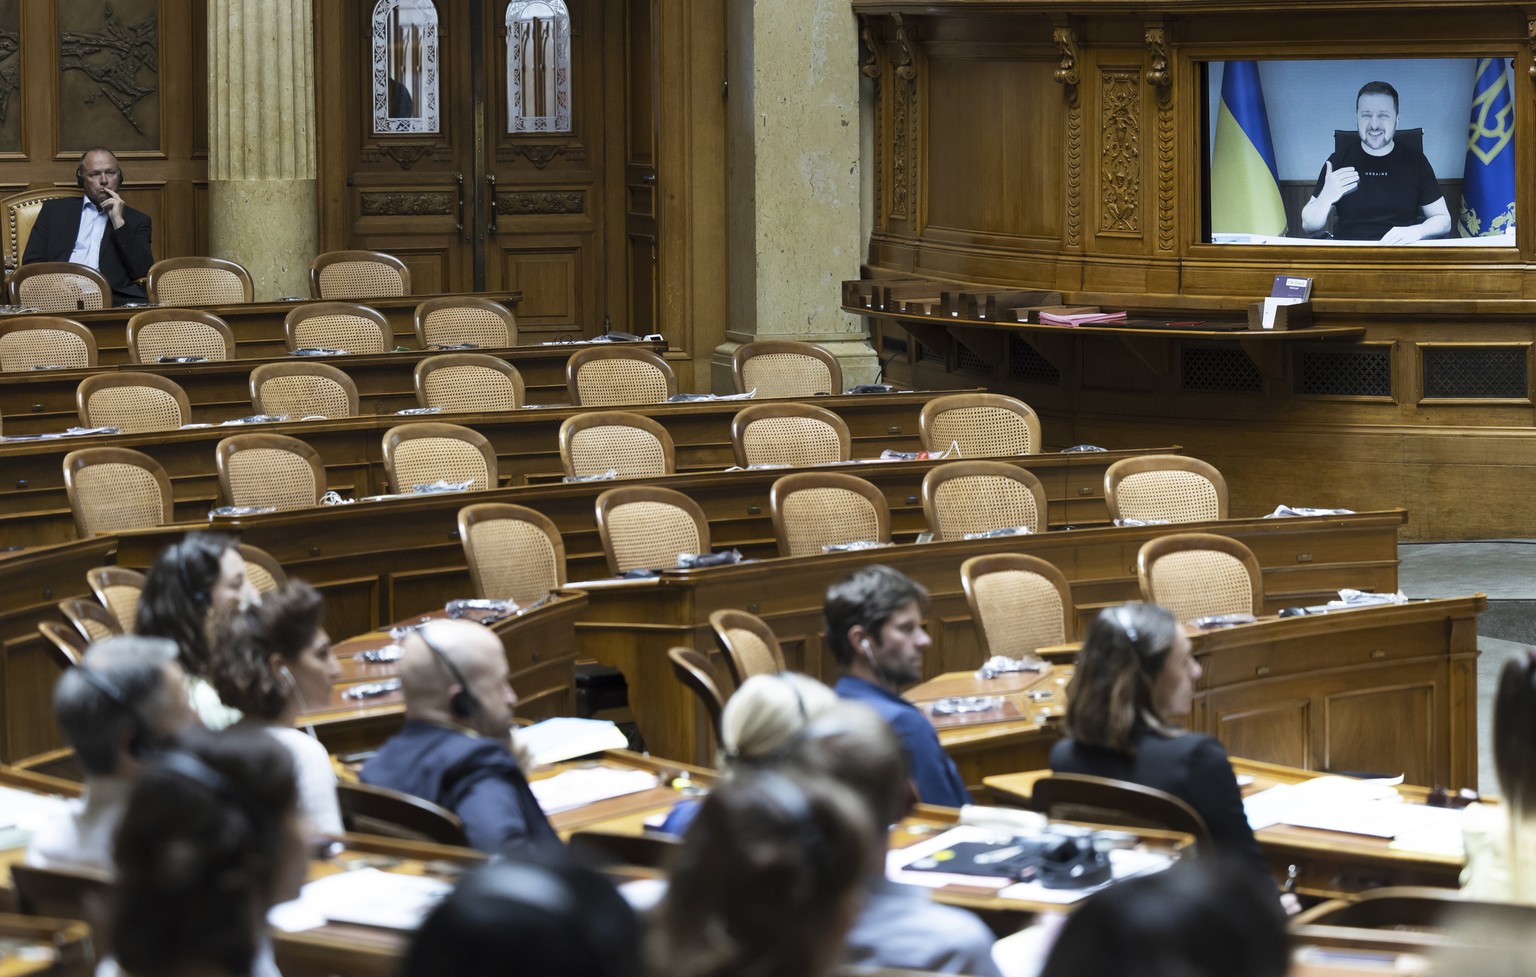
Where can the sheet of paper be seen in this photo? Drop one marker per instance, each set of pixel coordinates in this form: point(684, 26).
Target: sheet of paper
point(567, 737)
point(367, 897)
point(27, 811)
point(578, 788)
point(1372, 808)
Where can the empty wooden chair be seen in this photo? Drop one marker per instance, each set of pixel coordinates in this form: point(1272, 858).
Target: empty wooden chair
point(45, 341)
point(94, 622)
point(421, 454)
point(358, 275)
point(298, 390)
point(63, 642)
point(111, 489)
point(799, 435)
point(368, 809)
point(784, 368)
point(1100, 800)
point(158, 334)
point(1422, 909)
point(513, 552)
point(133, 402)
point(262, 569)
point(632, 445)
point(645, 527)
point(649, 849)
point(1200, 574)
point(59, 286)
point(464, 383)
point(196, 280)
point(1165, 488)
point(346, 326)
point(1018, 603)
point(19, 212)
point(747, 644)
point(454, 320)
point(964, 497)
point(981, 424)
point(603, 376)
point(118, 589)
point(269, 470)
point(698, 676)
point(813, 510)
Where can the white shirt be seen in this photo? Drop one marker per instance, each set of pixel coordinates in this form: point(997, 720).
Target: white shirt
point(315, 777)
point(93, 224)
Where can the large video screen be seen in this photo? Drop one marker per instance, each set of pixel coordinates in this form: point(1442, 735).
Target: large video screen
point(1395, 152)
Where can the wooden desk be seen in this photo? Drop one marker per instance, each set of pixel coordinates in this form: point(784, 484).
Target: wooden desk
point(982, 745)
point(1329, 864)
point(631, 624)
point(258, 326)
point(45, 946)
point(43, 401)
point(34, 509)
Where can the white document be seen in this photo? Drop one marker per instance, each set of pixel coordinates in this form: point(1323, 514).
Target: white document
point(578, 788)
point(1372, 808)
point(1270, 305)
point(567, 737)
point(367, 897)
point(26, 811)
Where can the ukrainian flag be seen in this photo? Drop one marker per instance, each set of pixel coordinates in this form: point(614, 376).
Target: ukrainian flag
point(1488, 181)
point(1245, 183)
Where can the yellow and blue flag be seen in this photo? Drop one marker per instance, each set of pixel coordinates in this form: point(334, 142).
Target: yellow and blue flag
point(1488, 181)
point(1245, 182)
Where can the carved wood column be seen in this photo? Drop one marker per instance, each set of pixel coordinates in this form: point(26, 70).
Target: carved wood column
point(261, 142)
point(795, 196)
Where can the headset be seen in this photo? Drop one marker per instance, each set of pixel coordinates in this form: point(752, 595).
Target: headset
point(114, 693)
point(463, 702)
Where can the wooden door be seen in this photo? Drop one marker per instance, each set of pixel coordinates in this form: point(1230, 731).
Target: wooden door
point(641, 199)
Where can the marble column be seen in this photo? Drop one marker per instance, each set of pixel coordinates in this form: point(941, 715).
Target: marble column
point(261, 140)
point(795, 197)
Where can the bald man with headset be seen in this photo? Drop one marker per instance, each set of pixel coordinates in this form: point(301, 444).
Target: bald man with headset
point(455, 748)
point(97, 229)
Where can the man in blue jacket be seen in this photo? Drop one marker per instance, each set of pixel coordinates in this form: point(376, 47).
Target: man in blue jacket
point(875, 632)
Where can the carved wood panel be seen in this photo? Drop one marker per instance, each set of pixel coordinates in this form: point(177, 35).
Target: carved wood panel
point(1120, 152)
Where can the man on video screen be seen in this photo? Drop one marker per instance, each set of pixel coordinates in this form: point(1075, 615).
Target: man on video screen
point(1381, 191)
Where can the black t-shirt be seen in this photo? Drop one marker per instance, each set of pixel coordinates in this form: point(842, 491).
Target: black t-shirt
point(1391, 191)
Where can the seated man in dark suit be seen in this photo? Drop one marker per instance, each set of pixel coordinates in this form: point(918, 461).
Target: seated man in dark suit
point(455, 747)
point(99, 230)
point(875, 631)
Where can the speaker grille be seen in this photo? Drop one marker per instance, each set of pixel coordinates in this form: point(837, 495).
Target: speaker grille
point(968, 362)
point(1344, 372)
point(1218, 369)
point(928, 354)
point(1482, 372)
point(1025, 363)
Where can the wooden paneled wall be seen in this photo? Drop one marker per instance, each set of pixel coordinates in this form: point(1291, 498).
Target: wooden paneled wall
point(1058, 145)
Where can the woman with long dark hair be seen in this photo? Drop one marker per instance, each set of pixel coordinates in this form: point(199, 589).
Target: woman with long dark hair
point(1500, 839)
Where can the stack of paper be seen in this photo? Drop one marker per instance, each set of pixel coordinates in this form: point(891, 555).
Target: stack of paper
point(578, 788)
point(566, 737)
point(1080, 318)
point(1370, 808)
point(367, 897)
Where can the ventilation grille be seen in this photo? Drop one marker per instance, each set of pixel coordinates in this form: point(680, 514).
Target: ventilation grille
point(1454, 372)
point(928, 354)
point(1025, 363)
point(1344, 372)
point(1218, 369)
point(968, 362)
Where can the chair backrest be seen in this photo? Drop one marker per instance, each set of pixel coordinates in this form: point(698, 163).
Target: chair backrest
point(603, 376)
point(455, 320)
point(1100, 800)
point(157, 333)
point(513, 552)
point(981, 424)
point(1196, 574)
point(338, 325)
point(269, 470)
point(303, 390)
point(784, 368)
point(646, 527)
point(358, 275)
point(695, 672)
point(93, 621)
point(630, 444)
point(420, 454)
point(60, 286)
point(62, 893)
point(63, 641)
point(963, 497)
point(468, 383)
point(197, 280)
point(262, 569)
point(367, 809)
point(111, 489)
point(1418, 908)
point(650, 849)
point(748, 645)
point(1168, 488)
point(1019, 603)
point(134, 402)
point(45, 341)
point(789, 434)
point(20, 212)
point(118, 589)
point(812, 510)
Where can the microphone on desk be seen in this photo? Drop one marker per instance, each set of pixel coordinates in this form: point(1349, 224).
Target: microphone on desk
point(1293, 611)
